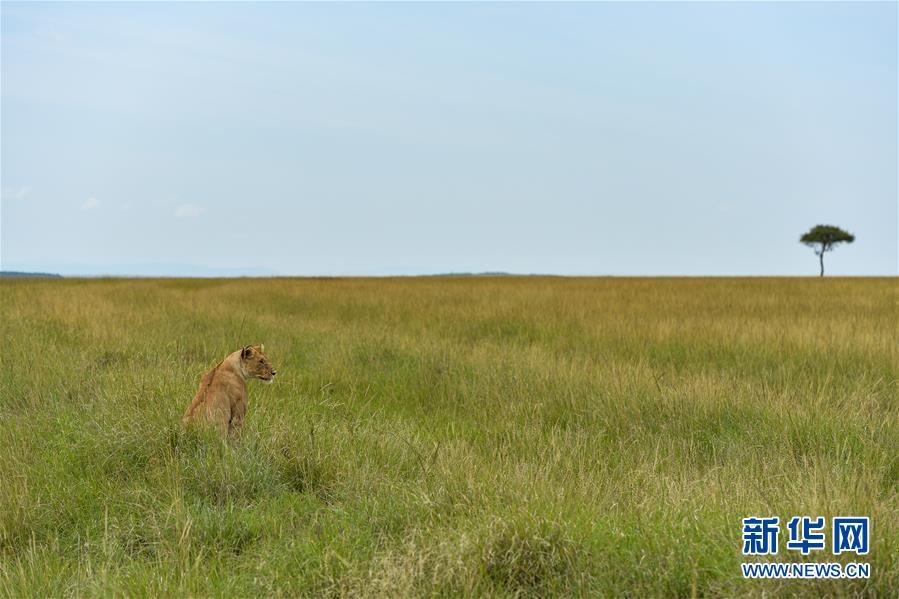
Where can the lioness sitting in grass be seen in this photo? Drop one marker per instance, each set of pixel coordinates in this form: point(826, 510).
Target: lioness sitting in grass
point(221, 400)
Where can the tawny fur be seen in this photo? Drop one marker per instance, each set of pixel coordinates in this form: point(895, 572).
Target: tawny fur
point(221, 400)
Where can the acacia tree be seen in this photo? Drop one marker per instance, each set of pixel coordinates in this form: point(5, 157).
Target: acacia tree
point(823, 238)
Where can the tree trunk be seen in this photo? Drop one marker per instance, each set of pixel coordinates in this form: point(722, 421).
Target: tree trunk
point(821, 258)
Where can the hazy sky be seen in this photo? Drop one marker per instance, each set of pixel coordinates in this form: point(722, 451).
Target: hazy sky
point(642, 138)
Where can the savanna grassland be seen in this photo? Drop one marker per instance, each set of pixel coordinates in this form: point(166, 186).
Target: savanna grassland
point(444, 436)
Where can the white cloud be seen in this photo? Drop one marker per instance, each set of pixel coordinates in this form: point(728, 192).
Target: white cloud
point(15, 193)
point(90, 204)
point(188, 210)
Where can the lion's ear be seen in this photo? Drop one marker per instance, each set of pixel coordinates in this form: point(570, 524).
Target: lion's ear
point(246, 352)
point(259, 347)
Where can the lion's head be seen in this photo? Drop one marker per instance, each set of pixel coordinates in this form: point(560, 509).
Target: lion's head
point(255, 364)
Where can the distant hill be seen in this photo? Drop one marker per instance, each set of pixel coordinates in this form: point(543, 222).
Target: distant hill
point(473, 274)
point(133, 270)
point(15, 273)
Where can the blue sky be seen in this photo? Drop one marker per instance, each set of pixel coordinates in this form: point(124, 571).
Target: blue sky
point(624, 139)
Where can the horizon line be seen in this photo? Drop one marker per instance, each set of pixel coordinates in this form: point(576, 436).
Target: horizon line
point(4, 274)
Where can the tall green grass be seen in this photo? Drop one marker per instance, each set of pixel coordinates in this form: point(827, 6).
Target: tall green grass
point(443, 436)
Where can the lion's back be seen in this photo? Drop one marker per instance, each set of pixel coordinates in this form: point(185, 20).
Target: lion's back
point(199, 402)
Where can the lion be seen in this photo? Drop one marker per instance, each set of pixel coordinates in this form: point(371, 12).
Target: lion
point(221, 400)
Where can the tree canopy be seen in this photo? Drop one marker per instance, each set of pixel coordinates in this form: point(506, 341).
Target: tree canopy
point(823, 238)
